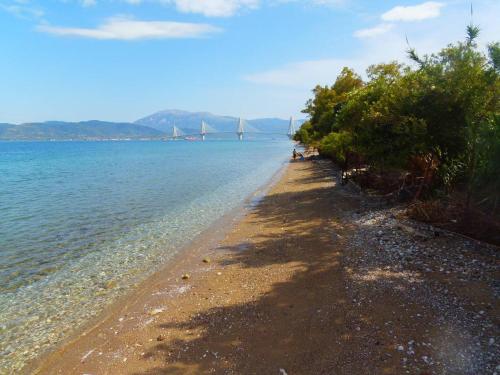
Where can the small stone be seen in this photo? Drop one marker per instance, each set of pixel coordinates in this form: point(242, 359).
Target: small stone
point(219, 273)
point(160, 338)
point(206, 260)
point(156, 311)
point(491, 341)
point(185, 276)
point(401, 348)
point(110, 284)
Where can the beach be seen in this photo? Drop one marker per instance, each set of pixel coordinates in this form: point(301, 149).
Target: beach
point(313, 279)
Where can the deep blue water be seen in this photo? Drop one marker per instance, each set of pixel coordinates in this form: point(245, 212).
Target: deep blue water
point(80, 222)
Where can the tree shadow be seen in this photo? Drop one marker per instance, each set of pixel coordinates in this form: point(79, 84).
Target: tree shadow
point(307, 323)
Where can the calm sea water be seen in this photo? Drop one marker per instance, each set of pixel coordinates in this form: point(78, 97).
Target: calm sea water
point(81, 222)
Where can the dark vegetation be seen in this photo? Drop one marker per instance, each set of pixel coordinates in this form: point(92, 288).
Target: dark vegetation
point(428, 133)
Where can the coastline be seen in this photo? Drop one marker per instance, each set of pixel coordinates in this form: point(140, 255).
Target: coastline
point(313, 279)
point(186, 258)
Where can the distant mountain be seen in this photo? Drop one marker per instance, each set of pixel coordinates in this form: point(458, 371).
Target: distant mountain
point(189, 122)
point(155, 126)
point(84, 130)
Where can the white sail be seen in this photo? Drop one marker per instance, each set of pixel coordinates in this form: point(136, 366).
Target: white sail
point(291, 128)
point(203, 130)
point(241, 126)
point(240, 130)
point(175, 132)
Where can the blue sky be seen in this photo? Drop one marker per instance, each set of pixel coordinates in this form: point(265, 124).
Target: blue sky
point(120, 60)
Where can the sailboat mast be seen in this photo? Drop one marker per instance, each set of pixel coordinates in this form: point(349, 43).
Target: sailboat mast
point(240, 129)
point(203, 131)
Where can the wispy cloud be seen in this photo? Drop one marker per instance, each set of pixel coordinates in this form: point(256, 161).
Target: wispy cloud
point(214, 8)
point(22, 9)
point(374, 31)
point(228, 8)
point(390, 44)
point(304, 74)
point(119, 28)
point(430, 9)
point(208, 8)
point(89, 3)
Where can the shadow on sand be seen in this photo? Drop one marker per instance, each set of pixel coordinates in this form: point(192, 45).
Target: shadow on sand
point(307, 324)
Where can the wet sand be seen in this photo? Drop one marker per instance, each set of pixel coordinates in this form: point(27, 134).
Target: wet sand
point(276, 295)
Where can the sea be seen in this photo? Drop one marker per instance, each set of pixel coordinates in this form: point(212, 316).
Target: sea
point(81, 223)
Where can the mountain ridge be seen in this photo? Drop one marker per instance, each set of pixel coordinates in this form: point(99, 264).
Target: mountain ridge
point(165, 120)
point(82, 130)
point(155, 126)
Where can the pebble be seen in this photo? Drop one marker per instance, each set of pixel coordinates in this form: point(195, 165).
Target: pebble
point(156, 311)
point(185, 276)
point(411, 255)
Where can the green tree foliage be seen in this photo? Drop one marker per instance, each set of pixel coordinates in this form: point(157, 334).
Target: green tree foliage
point(328, 101)
point(445, 110)
point(337, 145)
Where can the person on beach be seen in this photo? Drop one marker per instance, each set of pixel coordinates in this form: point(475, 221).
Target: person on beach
point(294, 154)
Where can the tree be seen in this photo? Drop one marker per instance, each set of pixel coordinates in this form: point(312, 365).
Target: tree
point(328, 101)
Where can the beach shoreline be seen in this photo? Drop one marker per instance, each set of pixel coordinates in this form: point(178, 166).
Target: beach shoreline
point(187, 258)
point(313, 279)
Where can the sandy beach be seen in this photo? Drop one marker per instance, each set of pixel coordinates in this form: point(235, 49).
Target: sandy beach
point(315, 279)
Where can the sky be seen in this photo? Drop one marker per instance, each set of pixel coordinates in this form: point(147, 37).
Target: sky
point(120, 60)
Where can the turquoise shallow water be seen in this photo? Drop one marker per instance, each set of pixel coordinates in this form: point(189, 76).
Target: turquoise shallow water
point(81, 222)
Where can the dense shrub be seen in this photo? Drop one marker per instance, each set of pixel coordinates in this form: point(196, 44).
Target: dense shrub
point(443, 112)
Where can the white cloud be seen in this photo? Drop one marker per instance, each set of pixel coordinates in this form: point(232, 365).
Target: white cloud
point(120, 28)
point(374, 31)
point(22, 9)
point(315, 2)
point(430, 9)
point(228, 8)
point(213, 8)
point(208, 8)
point(301, 76)
point(89, 3)
point(304, 74)
point(419, 12)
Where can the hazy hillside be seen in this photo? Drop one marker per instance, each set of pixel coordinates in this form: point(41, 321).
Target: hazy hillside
point(189, 122)
point(76, 130)
point(157, 125)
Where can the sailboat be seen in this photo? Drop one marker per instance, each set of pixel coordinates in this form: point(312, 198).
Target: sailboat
point(203, 130)
point(291, 128)
point(240, 129)
point(175, 133)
